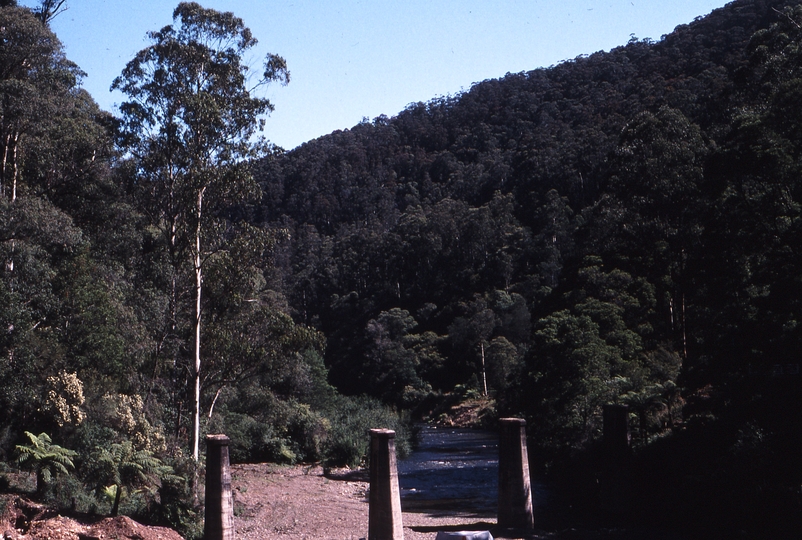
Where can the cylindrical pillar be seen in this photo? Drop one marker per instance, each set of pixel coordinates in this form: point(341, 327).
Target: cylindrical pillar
point(515, 510)
point(615, 476)
point(615, 435)
point(219, 515)
point(384, 521)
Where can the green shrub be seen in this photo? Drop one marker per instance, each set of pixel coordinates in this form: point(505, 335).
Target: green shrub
point(351, 420)
point(90, 435)
point(5, 483)
point(66, 493)
point(253, 440)
point(306, 430)
point(263, 427)
point(175, 507)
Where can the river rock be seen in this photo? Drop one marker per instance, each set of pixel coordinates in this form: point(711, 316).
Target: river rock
point(464, 535)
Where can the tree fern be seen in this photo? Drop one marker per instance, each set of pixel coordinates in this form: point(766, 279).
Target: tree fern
point(45, 458)
point(124, 466)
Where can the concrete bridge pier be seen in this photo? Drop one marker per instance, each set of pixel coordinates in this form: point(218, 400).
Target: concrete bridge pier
point(615, 433)
point(219, 513)
point(515, 508)
point(616, 474)
point(384, 521)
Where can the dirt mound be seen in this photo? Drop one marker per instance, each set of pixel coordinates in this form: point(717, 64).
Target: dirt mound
point(479, 413)
point(23, 519)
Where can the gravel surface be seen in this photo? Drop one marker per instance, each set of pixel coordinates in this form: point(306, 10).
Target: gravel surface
point(274, 502)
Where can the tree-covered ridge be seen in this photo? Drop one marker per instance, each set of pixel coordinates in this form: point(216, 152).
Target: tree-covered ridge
point(482, 191)
point(513, 184)
point(621, 227)
point(106, 238)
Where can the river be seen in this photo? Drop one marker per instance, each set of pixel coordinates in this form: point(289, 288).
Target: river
point(451, 469)
point(455, 471)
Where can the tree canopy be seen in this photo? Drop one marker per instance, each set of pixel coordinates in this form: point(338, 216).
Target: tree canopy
point(189, 128)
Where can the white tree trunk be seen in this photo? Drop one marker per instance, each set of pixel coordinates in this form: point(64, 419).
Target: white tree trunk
point(197, 365)
point(6, 146)
point(16, 169)
point(484, 371)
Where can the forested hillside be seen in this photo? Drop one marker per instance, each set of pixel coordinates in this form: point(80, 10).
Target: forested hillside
point(624, 227)
point(619, 228)
point(646, 193)
point(132, 309)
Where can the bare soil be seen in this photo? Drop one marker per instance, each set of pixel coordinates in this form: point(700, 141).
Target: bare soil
point(271, 502)
point(274, 502)
point(22, 519)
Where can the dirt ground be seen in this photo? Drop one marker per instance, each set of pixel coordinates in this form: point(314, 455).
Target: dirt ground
point(273, 502)
point(21, 519)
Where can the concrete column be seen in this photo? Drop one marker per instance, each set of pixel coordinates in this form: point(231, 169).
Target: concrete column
point(615, 435)
point(219, 516)
point(384, 521)
point(515, 509)
point(615, 476)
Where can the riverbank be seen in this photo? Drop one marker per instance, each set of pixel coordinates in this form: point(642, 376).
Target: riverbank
point(273, 502)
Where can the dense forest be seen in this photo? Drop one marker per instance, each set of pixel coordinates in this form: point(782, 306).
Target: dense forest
point(621, 228)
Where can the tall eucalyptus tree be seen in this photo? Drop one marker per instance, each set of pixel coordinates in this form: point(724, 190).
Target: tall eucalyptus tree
point(190, 126)
point(34, 76)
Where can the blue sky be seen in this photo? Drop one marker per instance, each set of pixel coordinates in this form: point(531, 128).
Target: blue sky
point(351, 59)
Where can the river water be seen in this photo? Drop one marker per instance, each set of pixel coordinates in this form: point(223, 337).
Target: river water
point(451, 469)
